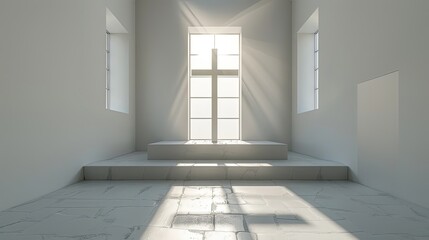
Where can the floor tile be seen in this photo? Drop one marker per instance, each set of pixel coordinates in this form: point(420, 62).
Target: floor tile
point(229, 223)
point(246, 236)
point(194, 222)
point(152, 233)
point(220, 236)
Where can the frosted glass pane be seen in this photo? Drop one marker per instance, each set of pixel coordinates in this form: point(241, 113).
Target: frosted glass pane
point(201, 108)
point(201, 61)
point(316, 41)
point(228, 87)
point(228, 129)
point(228, 62)
point(316, 98)
point(201, 87)
point(201, 129)
point(316, 79)
point(201, 44)
point(228, 44)
point(228, 108)
point(316, 60)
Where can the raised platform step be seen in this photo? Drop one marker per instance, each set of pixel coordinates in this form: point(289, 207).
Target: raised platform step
point(223, 150)
point(136, 166)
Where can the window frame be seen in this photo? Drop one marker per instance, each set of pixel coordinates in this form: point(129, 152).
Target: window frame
point(307, 65)
point(215, 31)
point(108, 59)
point(316, 69)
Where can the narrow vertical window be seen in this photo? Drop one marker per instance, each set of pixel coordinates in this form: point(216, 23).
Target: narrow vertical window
point(316, 70)
point(308, 65)
point(214, 84)
point(107, 70)
point(117, 65)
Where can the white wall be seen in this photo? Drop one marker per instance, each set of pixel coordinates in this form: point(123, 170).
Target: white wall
point(359, 41)
point(162, 65)
point(378, 132)
point(52, 94)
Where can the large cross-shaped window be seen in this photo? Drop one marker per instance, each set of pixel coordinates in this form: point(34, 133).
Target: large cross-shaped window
point(214, 84)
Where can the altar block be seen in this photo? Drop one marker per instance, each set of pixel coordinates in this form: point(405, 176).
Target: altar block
point(223, 150)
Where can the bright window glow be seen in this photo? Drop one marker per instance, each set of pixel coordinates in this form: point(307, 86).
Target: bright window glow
point(201, 87)
point(226, 95)
point(201, 61)
point(228, 108)
point(228, 44)
point(229, 129)
point(228, 62)
point(201, 108)
point(201, 44)
point(201, 129)
point(228, 87)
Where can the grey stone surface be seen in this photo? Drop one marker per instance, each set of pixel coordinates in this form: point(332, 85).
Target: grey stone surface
point(264, 210)
point(223, 150)
point(229, 223)
point(220, 236)
point(194, 222)
point(136, 166)
point(246, 236)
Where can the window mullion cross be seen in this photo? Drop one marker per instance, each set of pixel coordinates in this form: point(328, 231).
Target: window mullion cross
point(214, 73)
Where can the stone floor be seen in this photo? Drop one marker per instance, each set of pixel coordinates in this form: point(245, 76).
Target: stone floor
point(220, 210)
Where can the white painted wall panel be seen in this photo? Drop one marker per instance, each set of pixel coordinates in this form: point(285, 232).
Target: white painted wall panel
point(52, 94)
point(359, 41)
point(162, 85)
point(378, 132)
